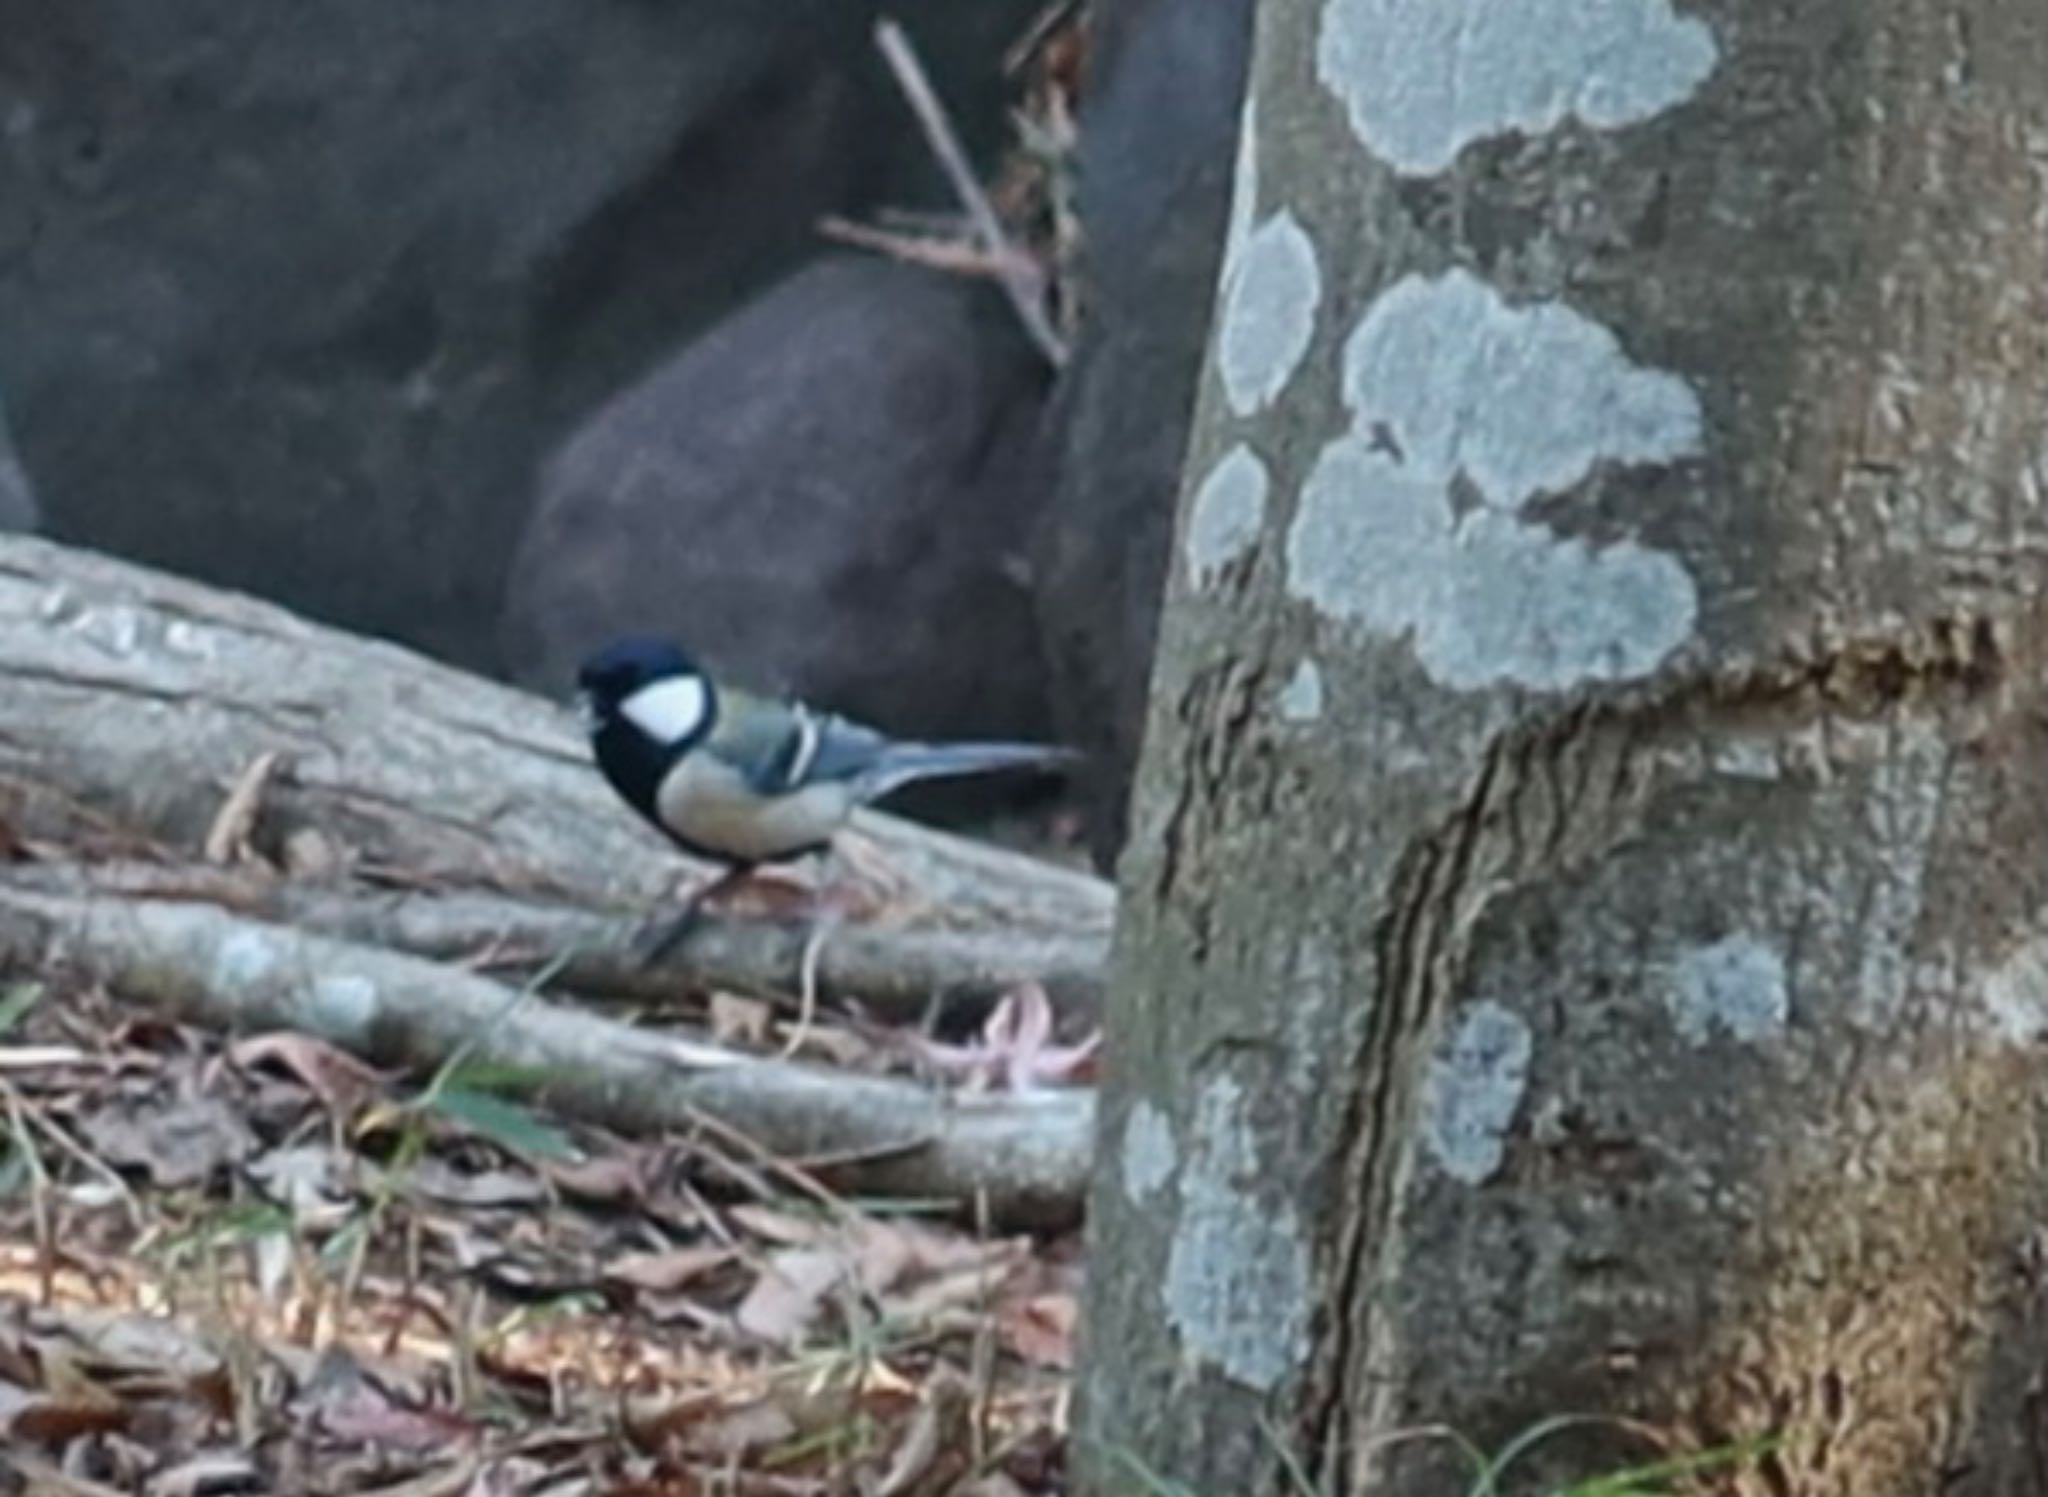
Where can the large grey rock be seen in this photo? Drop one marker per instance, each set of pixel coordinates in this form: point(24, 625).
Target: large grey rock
point(18, 508)
point(1158, 141)
point(292, 296)
point(820, 496)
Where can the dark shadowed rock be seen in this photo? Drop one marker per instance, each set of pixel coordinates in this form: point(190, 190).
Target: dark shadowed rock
point(1157, 148)
point(293, 296)
point(821, 496)
point(18, 509)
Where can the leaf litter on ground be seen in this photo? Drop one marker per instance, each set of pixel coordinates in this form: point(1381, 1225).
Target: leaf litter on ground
point(260, 1265)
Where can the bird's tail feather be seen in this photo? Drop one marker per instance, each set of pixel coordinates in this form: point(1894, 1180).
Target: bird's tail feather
point(905, 763)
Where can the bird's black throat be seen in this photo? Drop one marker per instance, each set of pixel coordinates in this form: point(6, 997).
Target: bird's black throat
point(634, 764)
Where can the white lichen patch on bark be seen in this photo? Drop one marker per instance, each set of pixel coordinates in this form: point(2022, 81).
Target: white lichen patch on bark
point(1522, 400)
point(1735, 985)
point(1423, 79)
point(2015, 995)
point(1475, 1084)
point(1446, 381)
point(1148, 1158)
point(1301, 699)
point(1270, 296)
point(1226, 514)
point(1237, 1274)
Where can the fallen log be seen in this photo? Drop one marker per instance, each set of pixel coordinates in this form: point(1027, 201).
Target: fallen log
point(1025, 1156)
point(147, 697)
point(895, 974)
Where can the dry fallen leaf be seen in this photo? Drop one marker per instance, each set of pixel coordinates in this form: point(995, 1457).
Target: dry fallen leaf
point(1040, 1329)
point(656, 1419)
point(747, 1021)
point(787, 1296)
point(365, 1413)
point(341, 1081)
point(664, 1273)
point(210, 1474)
point(618, 1179)
point(436, 1179)
point(934, 1452)
point(176, 1143)
point(786, 1227)
point(310, 1181)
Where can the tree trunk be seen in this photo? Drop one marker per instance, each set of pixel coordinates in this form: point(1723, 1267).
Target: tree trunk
point(1585, 932)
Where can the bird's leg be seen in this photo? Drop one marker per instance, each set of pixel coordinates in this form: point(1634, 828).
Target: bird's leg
point(663, 935)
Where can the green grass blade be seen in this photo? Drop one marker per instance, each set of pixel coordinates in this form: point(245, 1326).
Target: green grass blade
point(16, 1001)
point(503, 1122)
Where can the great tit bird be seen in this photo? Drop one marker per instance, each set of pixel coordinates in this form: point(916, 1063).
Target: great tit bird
point(744, 780)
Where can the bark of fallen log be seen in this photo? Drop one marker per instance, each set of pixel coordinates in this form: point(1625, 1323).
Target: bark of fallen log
point(147, 696)
point(1026, 1156)
point(898, 975)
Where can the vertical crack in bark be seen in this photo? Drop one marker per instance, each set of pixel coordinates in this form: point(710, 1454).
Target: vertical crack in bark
point(1546, 793)
point(1214, 712)
point(1413, 942)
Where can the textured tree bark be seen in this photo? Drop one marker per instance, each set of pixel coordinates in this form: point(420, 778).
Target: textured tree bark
point(146, 697)
point(1585, 932)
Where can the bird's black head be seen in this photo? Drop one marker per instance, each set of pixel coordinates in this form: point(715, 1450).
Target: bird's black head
point(648, 687)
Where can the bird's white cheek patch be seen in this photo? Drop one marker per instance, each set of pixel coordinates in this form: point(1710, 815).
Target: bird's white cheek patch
point(668, 711)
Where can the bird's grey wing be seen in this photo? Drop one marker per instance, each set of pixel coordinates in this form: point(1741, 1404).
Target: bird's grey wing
point(759, 738)
point(834, 748)
point(780, 746)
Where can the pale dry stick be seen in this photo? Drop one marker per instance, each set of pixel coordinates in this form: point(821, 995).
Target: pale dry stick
point(807, 990)
point(1021, 281)
point(228, 838)
point(948, 255)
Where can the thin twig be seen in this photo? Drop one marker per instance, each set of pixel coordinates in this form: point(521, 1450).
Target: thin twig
point(807, 988)
point(38, 1199)
point(1036, 34)
point(228, 839)
point(950, 255)
point(1022, 281)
